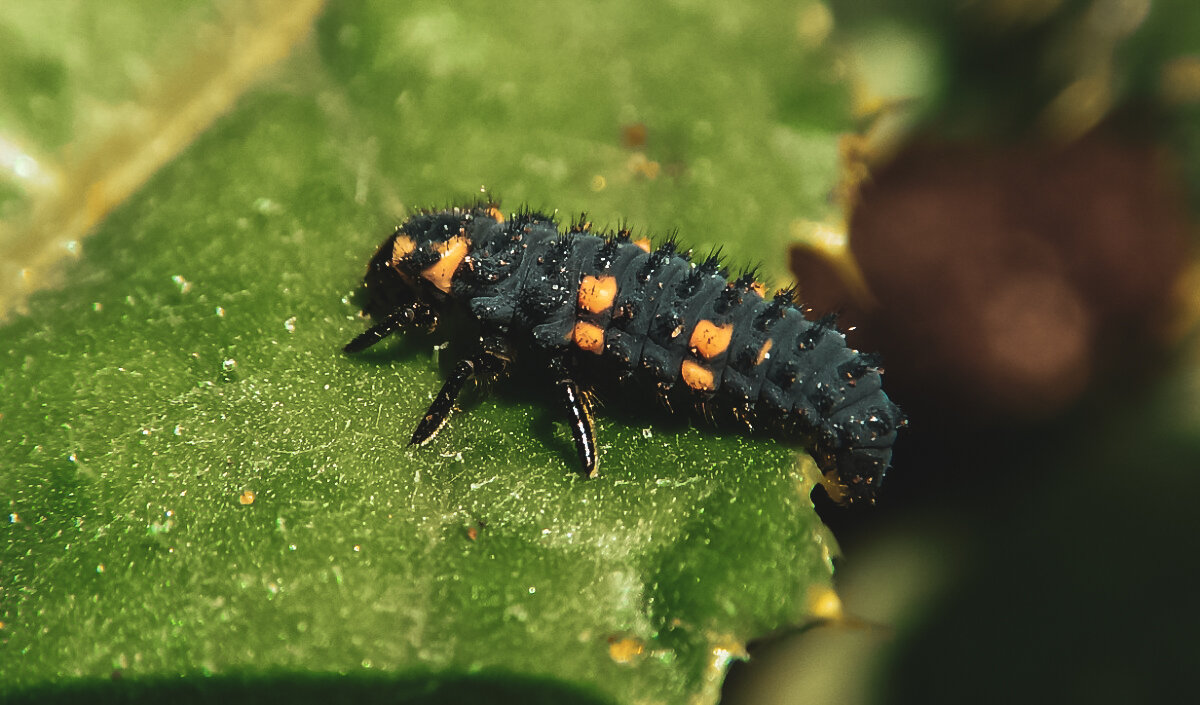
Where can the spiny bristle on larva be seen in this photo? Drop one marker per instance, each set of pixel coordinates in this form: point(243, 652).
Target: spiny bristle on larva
point(873, 361)
point(712, 265)
point(811, 337)
point(729, 297)
point(667, 247)
point(656, 261)
point(828, 321)
point(580, 224)
point(607, 254)
point(690, 283)
point(747, 280)
point(852, 370)
point(527, 216)
point(774, 311)
point(560, 250)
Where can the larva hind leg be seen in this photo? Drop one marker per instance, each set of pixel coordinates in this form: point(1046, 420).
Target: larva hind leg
point(579, 416)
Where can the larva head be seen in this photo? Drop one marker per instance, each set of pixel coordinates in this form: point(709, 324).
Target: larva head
point(420, 259)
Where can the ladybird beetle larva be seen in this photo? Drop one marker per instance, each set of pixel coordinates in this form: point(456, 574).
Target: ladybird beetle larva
point(606, 311)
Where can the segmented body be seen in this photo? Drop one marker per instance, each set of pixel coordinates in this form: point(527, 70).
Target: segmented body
point(610, 312)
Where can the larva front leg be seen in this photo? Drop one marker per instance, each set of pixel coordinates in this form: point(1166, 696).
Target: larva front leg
point(414, 315)
point(490, 362)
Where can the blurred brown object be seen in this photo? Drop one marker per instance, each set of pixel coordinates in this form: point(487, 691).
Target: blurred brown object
point(633, 136)
point(1007, 279)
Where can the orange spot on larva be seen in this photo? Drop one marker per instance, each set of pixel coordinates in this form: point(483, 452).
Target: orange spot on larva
point(453, 252)
point(589, 337)
point(644, 243)
point(709, 339)
point(759, 288)
point(596, 294)
point(402, 247)
point(697, 377)
point(495, 214)
point(763, 352)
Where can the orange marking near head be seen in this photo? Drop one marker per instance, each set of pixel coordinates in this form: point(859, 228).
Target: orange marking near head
point(709, 339)
point(763, 352)
point(644, 243)
point(589, 337)
point(596, 294)
point(495, 214)
point(759, 288)
point(453, 252)
point(402, 247)
point(697, 377)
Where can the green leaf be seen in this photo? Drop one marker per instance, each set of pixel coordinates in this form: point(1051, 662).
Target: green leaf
point(199, 484)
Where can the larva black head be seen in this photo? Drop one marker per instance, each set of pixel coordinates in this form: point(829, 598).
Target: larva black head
point(419, 260)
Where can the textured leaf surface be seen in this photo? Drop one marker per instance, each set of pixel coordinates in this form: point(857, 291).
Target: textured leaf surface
point(198, 483)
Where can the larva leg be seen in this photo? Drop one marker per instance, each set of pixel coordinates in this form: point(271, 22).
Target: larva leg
point(579, 416)
point(415, 315)
point(490, 362)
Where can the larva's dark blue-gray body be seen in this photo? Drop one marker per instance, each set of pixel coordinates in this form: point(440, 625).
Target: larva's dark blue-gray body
point(613, 313)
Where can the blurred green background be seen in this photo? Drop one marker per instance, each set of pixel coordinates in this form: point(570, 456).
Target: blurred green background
point(206, 500)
